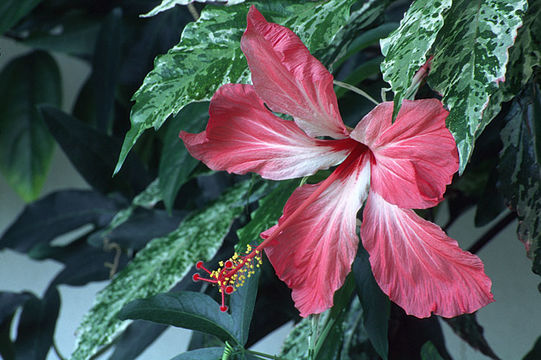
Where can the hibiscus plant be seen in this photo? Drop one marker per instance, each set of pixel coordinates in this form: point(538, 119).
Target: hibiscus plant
point(307, 161)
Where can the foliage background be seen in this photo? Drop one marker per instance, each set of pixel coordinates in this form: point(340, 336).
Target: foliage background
point(498, 318)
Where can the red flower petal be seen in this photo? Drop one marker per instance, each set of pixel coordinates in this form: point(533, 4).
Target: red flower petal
point(313, 255)
point(289, 79)
point(242, 135)
point(418, 265)
point(415, 158)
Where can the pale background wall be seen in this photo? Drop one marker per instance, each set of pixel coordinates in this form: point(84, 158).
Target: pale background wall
point(512, 323)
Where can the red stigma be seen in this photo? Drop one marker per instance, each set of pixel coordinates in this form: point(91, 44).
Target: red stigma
point(195, 277)
point(229, 289)
point(223, 308)
point(199, 264)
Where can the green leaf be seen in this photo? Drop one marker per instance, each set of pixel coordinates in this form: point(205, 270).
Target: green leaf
point(176, 163)
point(469, 330)
point(157, 268)
point(523, 57)
point(242, 303)
point(135, 340)
point(14, 10)
point(36, 326)
point(56, 214)
point(168, 4)
point(520, 161)
point(213, 353)
point(92, 153)
point(266, 215)
point(105, 69)
point(429, 352)
point(471, 54)
point(407, 47)
point(375, 304)
point(26, 147)
point(209, 56)
point(187, 309)
point(350, 38)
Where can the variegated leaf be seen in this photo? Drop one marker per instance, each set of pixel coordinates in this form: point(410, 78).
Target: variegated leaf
point(406, 49)
point(471, 54)
point(168, 4)
point(209, 56)
point(157, 268)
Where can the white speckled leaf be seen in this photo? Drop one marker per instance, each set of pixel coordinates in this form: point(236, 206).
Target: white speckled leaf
point(168, 4)
point(157, 268)
point(209, 56)
point(406, 49)
point(471, 53)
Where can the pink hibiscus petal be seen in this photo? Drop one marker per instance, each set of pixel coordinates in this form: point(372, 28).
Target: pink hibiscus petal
point(313, 255)
point(242, 135)
point(289, 79)
point(415, 158)
point(418, 266)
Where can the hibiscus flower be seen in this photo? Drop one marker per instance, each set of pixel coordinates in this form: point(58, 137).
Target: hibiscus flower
point(395, 167)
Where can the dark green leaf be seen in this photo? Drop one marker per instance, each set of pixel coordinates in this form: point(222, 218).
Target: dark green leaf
point(105, 69)
point(92, 154)
point(176, 163)
point(266, 215)
point(56, 214)
point(26, 147)
point(36, 326)
point(209, 55)
point(375, 304)
point(521, 164)
point(158, 267)
point(13, 10)
point(190, 310)
point(471, 54)
point(137, 337)
point(360, 73)
point(213, 353)
point(242, 303)
point(72, 32)
point(143, 226)
point(469, 330)
point(429, 352)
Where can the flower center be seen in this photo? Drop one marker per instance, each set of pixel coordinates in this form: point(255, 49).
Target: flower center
point(233, 273)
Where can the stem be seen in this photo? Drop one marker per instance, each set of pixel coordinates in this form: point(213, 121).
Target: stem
point(193, 11)
point(355, 90)
point(268, 356)
point(492, 232)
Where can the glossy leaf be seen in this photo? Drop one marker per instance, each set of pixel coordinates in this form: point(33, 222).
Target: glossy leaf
point(375, 304)
point(56, 214)
point(36, 326)
point(105, 69)
point(168, 4)
point(135, 340)
point(242, 303)
point(520, 161)
point(471, 54)
point(407, 48)
point(176, 163)
point(26, 147)
point(13, 10)
point(189, 310)
point(209, 55)
point(157, 268)
point(92, 153)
